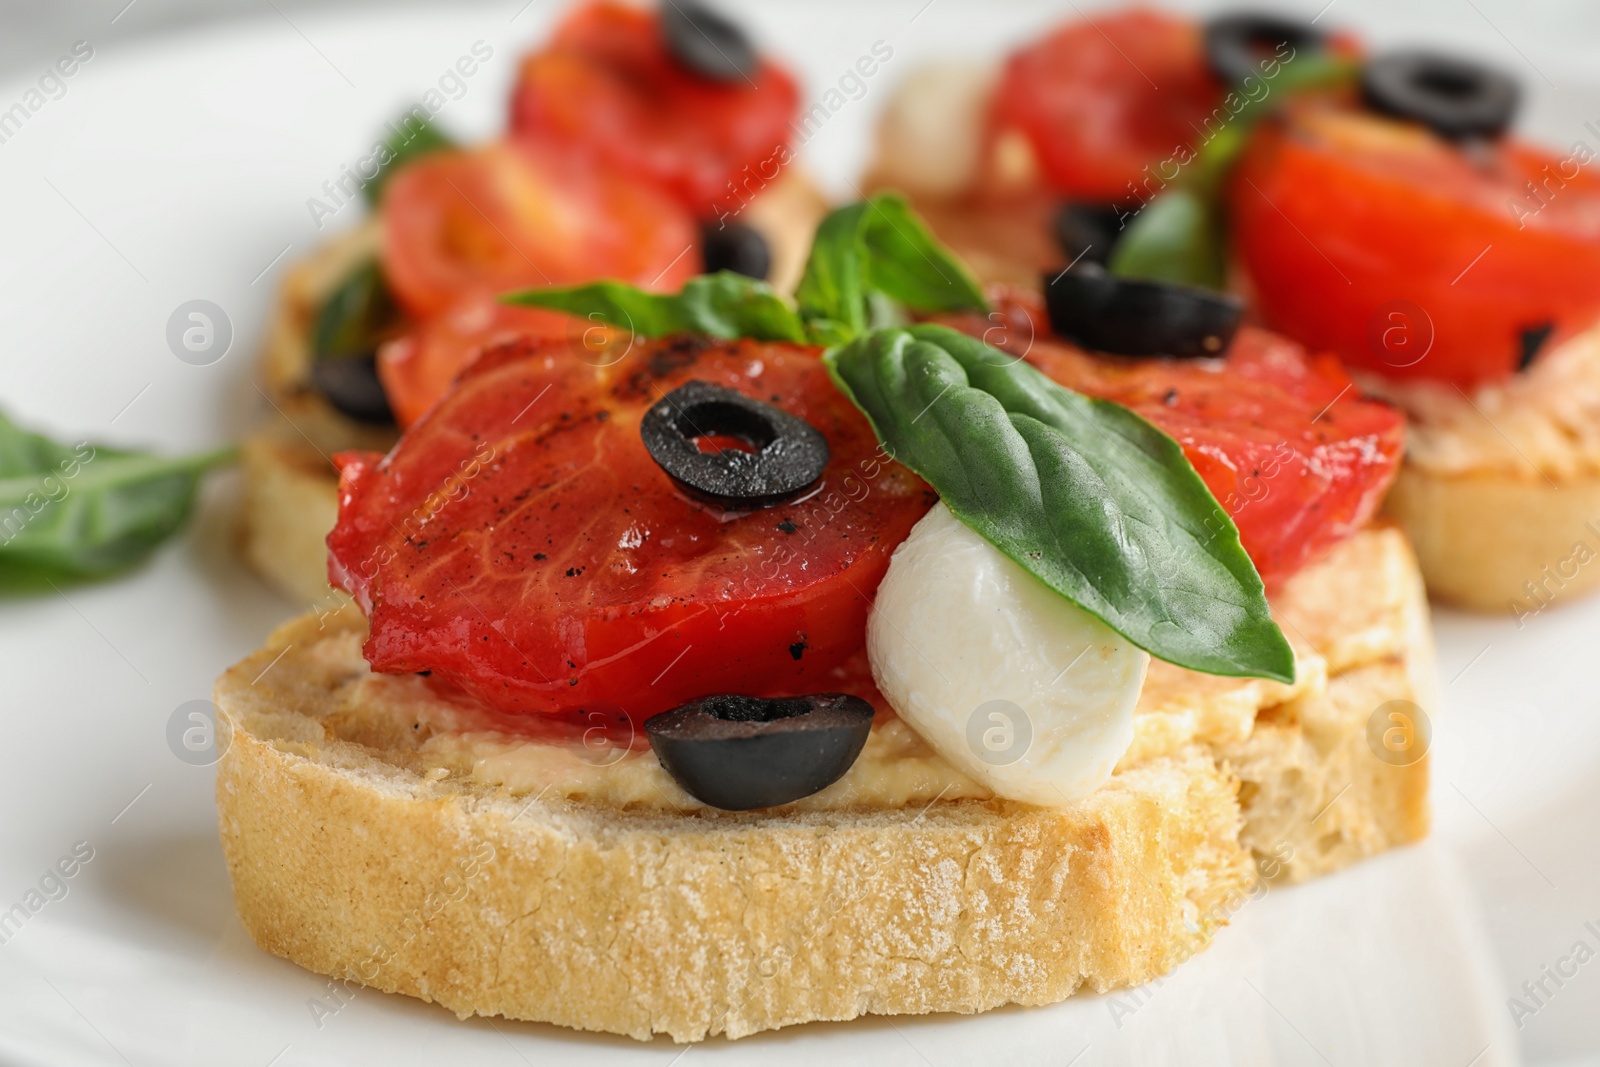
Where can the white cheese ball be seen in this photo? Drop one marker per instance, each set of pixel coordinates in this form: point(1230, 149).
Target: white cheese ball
point(1002, 676)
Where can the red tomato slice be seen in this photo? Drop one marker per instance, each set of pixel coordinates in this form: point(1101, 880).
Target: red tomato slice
point(521, 544)
point(607, 83)
point(459, 225)
point(1100, 99)
point(1407, 255)
point(1297, 456)
point(418, 367)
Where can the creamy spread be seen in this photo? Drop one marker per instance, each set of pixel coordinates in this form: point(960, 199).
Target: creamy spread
point(1355, 606)
point(1545, 420)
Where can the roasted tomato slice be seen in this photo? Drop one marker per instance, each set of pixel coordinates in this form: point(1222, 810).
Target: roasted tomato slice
point(462, 224)
point(608, 84)
point(521, 544)
point(1412, 256)
point(418, 367)
point(1293, 452)
point(1099, 100)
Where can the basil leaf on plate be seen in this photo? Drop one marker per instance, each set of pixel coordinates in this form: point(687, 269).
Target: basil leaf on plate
point(878, 247)
point(85, 510)
point(410, 141)
point(1093, 500)
point(723, 304)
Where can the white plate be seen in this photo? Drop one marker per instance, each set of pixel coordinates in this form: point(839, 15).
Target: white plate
point(181, 170)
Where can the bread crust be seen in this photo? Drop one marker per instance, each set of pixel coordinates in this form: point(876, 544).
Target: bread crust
point(1493, 540)
point(655, 922)
point(360, 864)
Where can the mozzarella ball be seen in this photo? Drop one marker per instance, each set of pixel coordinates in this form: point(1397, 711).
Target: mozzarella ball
point(1005, 678)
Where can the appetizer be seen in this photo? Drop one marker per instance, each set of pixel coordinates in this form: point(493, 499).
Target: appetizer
point(753, 661)
point(1374, 206)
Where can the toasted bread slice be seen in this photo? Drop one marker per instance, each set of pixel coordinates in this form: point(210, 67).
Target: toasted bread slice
point(1501, 489)
point(291, 494)
point(384, 835)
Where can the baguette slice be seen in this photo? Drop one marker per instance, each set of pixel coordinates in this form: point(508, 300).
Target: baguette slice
point(358, 851)
point(1501, 489)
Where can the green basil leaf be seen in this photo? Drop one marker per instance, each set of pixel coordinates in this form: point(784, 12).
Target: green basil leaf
point(1220, 150)
point(409, 141)
point(1096, 502)
point(878, 246)
point(85, 510)
point(1177, 238)
point(723, 304)
point(356, 316)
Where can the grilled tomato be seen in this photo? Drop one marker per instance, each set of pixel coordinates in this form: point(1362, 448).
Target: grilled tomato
point(521, 544)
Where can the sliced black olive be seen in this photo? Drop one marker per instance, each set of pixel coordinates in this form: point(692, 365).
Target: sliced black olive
point(1454, 97)
point(739, 752)
point(1239, 42)
point(707, 43)
point(1532, 341)
point(1087, 232)
point(736, 247)
point(351, 384)
point(1135, 317)
point(355, 318)
point(787, 455)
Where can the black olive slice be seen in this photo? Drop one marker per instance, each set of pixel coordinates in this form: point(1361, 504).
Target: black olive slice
point(351, 384)
point(707, 43)
point(1456, 98)
point(737, 752)
point(1531, 342)
point(736, 247)
point(354, 319)
point(1236, 44)
point(1087, 232)
point(787, 454)
point(1136, 317)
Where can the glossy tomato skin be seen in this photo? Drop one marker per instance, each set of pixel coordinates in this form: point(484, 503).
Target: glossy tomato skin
point(607, 85)
point(520, 543)
point(1099, 100)
point(419, 367)
point(461, 225)
point(1291, 450)
point(1407, 255)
